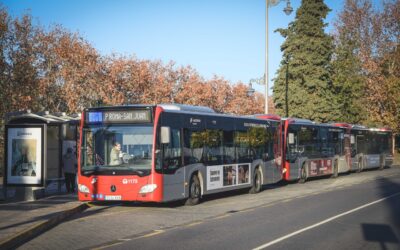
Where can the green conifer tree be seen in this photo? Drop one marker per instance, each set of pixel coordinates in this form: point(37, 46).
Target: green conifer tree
point(303, 80)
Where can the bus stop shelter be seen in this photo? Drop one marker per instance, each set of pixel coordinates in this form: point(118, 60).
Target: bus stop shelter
point(34, 146)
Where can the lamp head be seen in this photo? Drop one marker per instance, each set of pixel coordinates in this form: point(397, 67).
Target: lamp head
point(250, 90)
point(288, 9)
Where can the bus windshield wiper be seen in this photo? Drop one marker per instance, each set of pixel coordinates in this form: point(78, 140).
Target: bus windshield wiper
point(88, 172)
point(138, 172)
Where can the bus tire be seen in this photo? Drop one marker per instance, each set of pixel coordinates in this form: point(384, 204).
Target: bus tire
point(335, 170)
point(194, 191)
point(303, 174)
point(257, 182)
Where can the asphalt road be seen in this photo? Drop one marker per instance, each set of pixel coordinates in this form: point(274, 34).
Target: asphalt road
point(357, 211)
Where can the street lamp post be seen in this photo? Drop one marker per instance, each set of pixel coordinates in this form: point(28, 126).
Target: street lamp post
point(288, 10)
point(287, 86)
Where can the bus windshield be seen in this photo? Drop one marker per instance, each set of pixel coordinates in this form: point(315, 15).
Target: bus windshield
point(117, 150)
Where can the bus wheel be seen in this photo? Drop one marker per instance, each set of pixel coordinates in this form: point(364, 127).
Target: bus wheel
point(257, 182)
point(335, 170)
point(303, 174)
point(194, 191)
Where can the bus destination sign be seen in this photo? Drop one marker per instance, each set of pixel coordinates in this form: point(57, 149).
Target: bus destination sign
point(128, 116)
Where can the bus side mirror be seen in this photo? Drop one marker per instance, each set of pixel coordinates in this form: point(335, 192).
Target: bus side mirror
point(165, 135)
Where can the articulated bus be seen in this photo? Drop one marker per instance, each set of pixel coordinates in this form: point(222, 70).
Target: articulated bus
point(311, 150)
point(160, 153)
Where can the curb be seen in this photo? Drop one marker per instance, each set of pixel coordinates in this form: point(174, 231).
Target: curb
point(20, 238)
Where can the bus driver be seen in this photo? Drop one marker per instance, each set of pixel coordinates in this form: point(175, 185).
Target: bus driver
point(116, 154)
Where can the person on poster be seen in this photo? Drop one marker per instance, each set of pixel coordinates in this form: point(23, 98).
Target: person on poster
point(229, 176)
point(23, 166)
point(243, 174)
point(69, 167)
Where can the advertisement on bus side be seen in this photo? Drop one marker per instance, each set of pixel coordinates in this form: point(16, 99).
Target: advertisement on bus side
point(227, 176)
point(320, 167)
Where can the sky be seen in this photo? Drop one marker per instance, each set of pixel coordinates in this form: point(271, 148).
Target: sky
point(216, 37)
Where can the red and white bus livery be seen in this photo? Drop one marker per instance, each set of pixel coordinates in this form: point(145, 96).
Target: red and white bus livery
point(168, 152)
point(311, 149)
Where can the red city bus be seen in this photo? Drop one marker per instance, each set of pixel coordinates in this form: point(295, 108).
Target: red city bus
point(311, 150)
point(160, 153)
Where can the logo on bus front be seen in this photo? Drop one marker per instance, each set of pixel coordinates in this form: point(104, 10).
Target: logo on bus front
point(129, 181)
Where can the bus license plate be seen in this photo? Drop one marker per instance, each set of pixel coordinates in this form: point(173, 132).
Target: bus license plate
point(113, 197)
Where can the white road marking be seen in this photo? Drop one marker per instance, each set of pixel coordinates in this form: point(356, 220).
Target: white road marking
point(155, 232)
point(107, 246)
point(194, 224)
point(323, 222)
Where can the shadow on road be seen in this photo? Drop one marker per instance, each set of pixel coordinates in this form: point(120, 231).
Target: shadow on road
point(386, 234)
point(11, 205)
point(379, 233)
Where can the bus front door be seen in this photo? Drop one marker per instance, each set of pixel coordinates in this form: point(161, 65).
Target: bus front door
point(173, 184)
point(173, 170)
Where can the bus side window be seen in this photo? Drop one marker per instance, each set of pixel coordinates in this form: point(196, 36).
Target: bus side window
point(193, 146)
point(242, 146)
point(213, 148)
point(172, 152)
point(229, 147)
point(272, 142)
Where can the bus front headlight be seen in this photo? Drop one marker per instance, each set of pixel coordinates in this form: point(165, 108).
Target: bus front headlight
point(83, 189)
point(149, 188)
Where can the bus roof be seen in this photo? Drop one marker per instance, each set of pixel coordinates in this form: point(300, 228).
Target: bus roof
point(118, 107)
point(188, 108)
point(299, 121)
point(268, 116)
point(342, 125)
point(176, 107)
point(359, 127)
point(381, 129)
point(305, 122)
point(180, 108)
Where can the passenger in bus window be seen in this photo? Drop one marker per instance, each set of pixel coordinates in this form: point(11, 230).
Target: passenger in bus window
point(115, 154)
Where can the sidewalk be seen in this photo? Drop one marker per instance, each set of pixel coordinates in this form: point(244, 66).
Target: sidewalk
point(21, 221)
